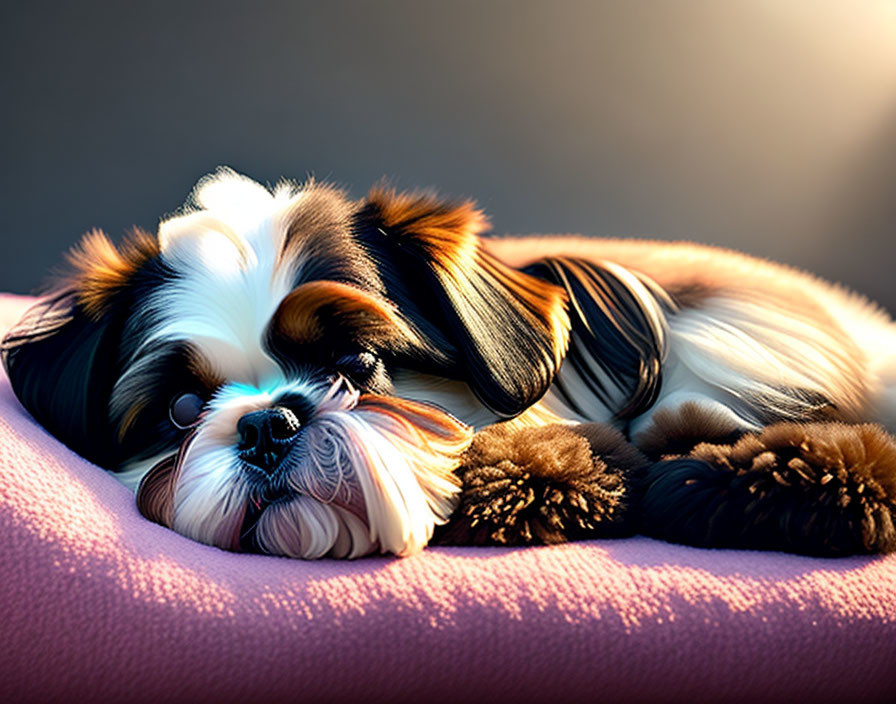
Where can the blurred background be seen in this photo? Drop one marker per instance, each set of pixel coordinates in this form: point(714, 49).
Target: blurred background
point(764, 125)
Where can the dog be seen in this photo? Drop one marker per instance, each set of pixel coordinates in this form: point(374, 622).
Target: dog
point(290, 371)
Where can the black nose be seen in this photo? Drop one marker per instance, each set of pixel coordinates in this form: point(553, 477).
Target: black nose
point(266, 435)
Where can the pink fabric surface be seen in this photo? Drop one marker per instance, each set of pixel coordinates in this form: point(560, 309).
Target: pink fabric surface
point(97, 603)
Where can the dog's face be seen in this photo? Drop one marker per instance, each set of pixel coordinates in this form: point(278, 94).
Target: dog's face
point(250, 369)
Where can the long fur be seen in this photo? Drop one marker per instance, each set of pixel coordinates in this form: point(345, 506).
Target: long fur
point(392, 328)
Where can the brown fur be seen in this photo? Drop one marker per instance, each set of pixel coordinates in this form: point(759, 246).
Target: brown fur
point(448, 234)
point(99, 269)
point(314, 217)
point(543, 485)
point(155, 498)
point(692, 271)
point(307, 312)
point(205, 372)
point(319, 237)
point(130, 416)
point(675, 432)
point(201, 369)
point(694, 275)
point(444, 228)
point(859, 458)
point(816, 488)
point(432, 424)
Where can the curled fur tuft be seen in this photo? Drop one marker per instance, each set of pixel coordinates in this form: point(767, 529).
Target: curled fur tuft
point(544, 485)
point(816, 488)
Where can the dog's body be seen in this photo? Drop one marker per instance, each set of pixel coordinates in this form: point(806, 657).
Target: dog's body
point(749, 337)
point(298, 373)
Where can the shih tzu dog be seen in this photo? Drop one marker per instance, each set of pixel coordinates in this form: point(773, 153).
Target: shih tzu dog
point(294, 372)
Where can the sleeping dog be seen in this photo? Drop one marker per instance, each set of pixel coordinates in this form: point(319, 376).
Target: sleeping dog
point(294, 372)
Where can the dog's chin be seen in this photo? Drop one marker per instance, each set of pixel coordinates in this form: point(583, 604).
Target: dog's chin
point(372, 474)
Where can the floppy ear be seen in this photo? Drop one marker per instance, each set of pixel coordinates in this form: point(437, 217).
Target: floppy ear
point(502, 331)
point(61, 357)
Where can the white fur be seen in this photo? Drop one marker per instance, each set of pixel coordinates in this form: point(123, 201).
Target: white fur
point(231, 277)
point(875, 333)
point(211, 488)
point(210, 495)
point(352, 468)
point(367, 479)
point(225, 248)
point(748, 360)
point(306, 528)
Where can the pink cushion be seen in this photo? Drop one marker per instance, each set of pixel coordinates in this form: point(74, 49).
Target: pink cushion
point(96, 601)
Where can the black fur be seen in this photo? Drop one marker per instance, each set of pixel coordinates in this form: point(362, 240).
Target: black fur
point(818, 489)
point(477, 328)
point(611, 328)
point(153, 389)
point(63, 362)
point(61, 365)
point(824, 488)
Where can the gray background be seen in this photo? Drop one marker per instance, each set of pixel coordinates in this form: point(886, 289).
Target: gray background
point(767, 126)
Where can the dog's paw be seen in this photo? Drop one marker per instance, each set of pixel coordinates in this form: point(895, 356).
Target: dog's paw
point(543, 485)
point(815, 488)
point(675, 432)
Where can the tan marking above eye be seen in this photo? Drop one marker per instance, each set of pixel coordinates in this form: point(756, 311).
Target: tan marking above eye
point(304, 314)
point(200, 366)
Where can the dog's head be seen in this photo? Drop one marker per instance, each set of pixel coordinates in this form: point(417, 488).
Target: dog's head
point(256, 370)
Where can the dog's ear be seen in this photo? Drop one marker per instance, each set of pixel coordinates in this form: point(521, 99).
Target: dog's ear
point(62, 355)
point(502, 331)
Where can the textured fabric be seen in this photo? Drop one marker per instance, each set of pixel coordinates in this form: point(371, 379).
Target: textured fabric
point(97, 603)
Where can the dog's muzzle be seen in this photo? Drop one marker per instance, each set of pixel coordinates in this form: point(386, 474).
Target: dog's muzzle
point(328, 473)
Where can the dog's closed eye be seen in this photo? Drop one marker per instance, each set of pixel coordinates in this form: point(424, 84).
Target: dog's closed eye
point(365, 370)
point(358, 367)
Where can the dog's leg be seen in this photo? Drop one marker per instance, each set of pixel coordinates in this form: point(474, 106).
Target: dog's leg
point(684, 421)
point(548, 485)
point(813, 488)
